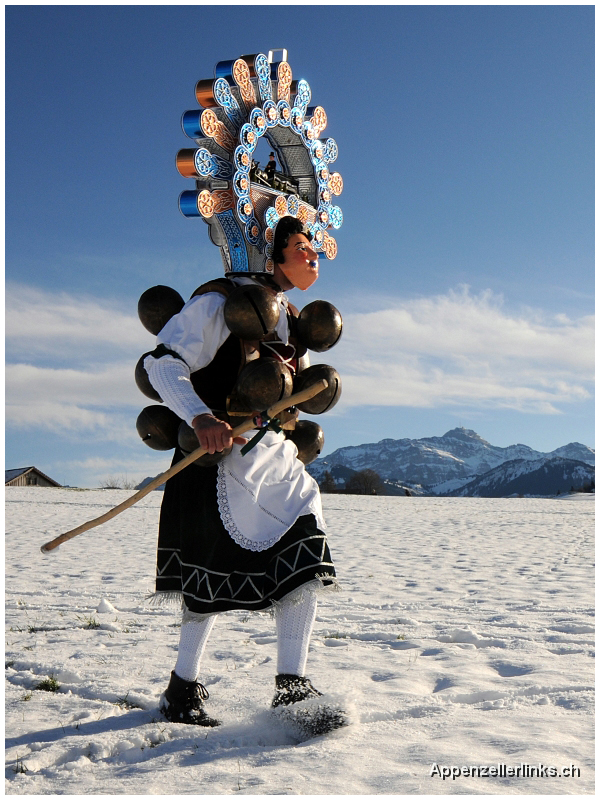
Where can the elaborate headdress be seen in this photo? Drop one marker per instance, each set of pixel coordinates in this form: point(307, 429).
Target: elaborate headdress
point(250, 97)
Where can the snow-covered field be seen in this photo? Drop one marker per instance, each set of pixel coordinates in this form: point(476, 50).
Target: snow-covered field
point(464, 636)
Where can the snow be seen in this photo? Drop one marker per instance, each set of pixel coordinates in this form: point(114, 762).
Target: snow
point(464, 636)
point(106, 607)
point(451, 485)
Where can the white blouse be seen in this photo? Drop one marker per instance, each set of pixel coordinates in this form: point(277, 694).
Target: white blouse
point(261, 494)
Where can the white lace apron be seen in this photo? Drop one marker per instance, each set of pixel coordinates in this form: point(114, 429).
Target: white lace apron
point(262, 494)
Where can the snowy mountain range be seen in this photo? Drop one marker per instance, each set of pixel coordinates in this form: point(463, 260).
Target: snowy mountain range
point(521, 477)
point(462, 463)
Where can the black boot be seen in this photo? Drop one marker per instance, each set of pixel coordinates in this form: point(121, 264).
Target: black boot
point(183, 702)
point(292, 689)
point(311, 719)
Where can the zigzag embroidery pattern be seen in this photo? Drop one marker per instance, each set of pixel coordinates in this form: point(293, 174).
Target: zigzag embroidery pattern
point(160, 571)
point(208, 585)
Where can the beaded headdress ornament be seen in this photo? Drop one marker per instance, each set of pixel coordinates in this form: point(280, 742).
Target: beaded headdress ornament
point(251, 97)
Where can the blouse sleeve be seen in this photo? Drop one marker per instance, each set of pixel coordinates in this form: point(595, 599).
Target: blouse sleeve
point(195, 334)
point(198, 331)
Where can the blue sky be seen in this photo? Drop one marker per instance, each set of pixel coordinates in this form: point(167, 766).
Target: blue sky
point(465, 264)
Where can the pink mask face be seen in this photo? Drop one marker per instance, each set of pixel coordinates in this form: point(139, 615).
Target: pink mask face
point(301, 265)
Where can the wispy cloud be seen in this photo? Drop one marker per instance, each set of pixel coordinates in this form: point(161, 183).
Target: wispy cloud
point(102, 402)
point(41, 323)
point(101, 343)
point(453, 350)
point(133, 467)
point(460, 349)
point(108, 386)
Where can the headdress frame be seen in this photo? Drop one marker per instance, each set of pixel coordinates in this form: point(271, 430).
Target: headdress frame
point(251, 97)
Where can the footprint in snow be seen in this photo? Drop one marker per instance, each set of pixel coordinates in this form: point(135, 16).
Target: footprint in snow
point(510, 670)
point(443, 683)
point(384, 676)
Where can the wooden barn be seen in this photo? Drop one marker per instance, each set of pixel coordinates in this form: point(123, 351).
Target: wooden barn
point(27, 476)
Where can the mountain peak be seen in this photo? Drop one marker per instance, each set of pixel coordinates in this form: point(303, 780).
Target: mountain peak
point(440, 465)
point(465, 435)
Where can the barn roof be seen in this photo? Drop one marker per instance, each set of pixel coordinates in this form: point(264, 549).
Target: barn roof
point(11, 474)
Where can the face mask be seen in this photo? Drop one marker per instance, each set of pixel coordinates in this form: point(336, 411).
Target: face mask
point(301, 265)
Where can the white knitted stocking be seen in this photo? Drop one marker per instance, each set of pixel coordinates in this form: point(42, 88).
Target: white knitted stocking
point(192, 642)
point(294, 621)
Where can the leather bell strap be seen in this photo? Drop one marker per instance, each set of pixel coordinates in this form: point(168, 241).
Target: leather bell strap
point(265, 423)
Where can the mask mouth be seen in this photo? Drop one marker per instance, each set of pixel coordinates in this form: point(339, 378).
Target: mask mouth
point(303, 278)
point(306, 281)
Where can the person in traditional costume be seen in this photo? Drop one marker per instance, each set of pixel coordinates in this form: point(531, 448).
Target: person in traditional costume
point(246, 533)
point(242, 527)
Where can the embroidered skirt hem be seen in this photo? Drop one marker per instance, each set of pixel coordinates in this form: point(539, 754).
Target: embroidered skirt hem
point(199, 561)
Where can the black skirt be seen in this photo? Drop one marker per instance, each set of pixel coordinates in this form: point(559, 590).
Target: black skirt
point(198, 559)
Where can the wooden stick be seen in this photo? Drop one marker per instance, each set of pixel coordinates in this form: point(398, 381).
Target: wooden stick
point(245, 426)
